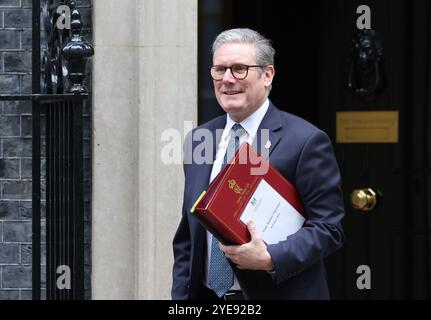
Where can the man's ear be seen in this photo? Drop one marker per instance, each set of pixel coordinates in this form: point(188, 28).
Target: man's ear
point(269, 75)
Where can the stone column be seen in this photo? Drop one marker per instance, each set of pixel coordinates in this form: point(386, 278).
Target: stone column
point(144, 83)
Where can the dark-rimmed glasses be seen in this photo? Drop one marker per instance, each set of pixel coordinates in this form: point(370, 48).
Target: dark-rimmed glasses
point(239, 71)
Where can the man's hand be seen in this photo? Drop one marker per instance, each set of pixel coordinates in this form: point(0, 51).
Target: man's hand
point(252, 255)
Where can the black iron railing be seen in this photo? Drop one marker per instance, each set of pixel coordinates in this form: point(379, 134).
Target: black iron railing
point(64, 199)
point(61, 102)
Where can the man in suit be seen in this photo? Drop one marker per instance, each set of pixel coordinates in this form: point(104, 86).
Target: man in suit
point(242, 72)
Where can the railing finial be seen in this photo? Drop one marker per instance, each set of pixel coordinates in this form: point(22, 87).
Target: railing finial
point(76, 52)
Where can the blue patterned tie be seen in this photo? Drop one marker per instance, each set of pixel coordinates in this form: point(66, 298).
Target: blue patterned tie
point(220, 274)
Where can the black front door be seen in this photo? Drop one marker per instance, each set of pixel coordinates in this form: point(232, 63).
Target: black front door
point(387, 249)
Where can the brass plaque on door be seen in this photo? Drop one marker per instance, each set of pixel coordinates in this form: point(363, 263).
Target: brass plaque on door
point(367, 127)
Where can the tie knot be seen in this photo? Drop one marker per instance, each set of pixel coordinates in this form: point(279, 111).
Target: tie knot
point(237, 127)
point(238, 130)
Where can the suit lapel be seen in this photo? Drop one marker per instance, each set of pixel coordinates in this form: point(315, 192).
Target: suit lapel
point(204, 170)
point(268, 134)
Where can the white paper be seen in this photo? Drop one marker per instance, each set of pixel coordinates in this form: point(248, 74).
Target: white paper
point(273, 215)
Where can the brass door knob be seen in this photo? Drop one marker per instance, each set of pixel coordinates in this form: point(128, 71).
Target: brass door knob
point(364, 199)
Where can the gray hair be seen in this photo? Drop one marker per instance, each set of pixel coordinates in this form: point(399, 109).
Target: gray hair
point(264, 53)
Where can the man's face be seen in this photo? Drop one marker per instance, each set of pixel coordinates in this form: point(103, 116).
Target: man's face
point(240, 98)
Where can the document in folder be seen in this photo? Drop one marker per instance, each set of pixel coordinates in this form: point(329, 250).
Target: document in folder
point(250, 188)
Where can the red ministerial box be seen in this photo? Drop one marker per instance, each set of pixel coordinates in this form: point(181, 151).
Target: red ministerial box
point(249, 186)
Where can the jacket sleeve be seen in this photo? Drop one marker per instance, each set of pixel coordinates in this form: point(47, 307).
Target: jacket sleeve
point(181, 269)
point(182, 242)
point(318, 181)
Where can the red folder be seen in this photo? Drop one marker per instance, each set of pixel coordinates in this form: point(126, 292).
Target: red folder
point(221, 206)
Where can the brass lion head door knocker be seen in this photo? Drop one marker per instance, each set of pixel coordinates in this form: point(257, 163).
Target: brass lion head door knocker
point(366, 77)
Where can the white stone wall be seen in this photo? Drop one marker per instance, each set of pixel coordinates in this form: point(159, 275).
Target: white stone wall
point(144, 82)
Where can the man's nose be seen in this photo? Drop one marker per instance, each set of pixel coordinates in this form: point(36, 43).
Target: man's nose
point(228, 76)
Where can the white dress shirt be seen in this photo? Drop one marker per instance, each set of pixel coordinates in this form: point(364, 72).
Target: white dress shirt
point(250, 124)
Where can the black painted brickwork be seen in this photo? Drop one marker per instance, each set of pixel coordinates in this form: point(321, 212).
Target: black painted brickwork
point(15, 152)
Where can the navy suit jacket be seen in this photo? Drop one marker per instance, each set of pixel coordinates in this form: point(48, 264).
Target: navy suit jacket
point(304, 155)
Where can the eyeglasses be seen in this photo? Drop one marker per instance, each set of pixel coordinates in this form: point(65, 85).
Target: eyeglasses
point(239, 71)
